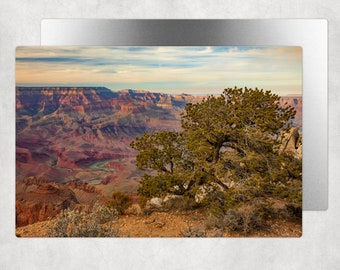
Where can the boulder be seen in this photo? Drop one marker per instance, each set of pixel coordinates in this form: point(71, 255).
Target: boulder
point(292, 143)
point(155, 202)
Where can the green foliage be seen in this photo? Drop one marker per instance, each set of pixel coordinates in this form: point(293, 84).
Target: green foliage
point(292, 167)
point(164, 152)
point(159, 185)
point(228, 147)
point(72, 223)
point(120, 202)
point(241, 127)
point(290, 193)
point(288, 184)
point(160, 151)
point(181, 203)
point(245, 117)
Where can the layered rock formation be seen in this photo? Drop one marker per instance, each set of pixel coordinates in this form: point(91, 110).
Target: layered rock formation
point(61, 130)
point(296, 102)
point(38, 199)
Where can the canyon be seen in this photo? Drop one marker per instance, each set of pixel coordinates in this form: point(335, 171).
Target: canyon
point(63, 132)
point(73, 143)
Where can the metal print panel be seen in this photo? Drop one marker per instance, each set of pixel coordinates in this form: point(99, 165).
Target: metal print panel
point(159, 141)
point(310, 34)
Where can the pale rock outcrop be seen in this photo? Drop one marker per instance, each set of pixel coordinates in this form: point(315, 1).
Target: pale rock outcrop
point(292, 143)
point(155, 202)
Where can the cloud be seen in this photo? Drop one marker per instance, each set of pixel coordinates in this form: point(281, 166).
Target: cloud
point(166, 67)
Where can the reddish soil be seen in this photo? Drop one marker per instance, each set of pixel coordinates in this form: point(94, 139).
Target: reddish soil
point(175, 224)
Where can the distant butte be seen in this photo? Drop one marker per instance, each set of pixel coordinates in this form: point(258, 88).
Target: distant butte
point(62, 132)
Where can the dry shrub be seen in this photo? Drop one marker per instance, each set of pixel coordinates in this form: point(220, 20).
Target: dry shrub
point(193, 232)
point(134, 209)
point(121, 202)
point(291, 212)
point(142, 201)
point(242, 219)
point(72, 223)
point(294, 211)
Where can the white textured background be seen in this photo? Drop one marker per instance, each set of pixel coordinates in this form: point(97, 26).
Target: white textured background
point(318, 248)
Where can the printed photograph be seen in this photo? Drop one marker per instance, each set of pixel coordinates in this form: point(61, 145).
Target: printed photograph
point(159, 141)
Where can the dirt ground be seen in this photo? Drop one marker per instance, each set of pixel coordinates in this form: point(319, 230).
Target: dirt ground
point(175, 224)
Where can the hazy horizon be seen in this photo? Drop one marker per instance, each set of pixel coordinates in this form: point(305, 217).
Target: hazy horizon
point(146, 90)
point(172, 70)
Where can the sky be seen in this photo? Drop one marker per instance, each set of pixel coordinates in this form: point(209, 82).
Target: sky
point(167, 69)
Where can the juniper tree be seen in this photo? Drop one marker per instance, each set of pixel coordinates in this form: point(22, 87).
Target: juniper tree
point(229, 139)
point(164, 153)
point(236, 134)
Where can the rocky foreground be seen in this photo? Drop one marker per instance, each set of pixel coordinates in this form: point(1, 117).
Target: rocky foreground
point(175, 224)
point(38, 199)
